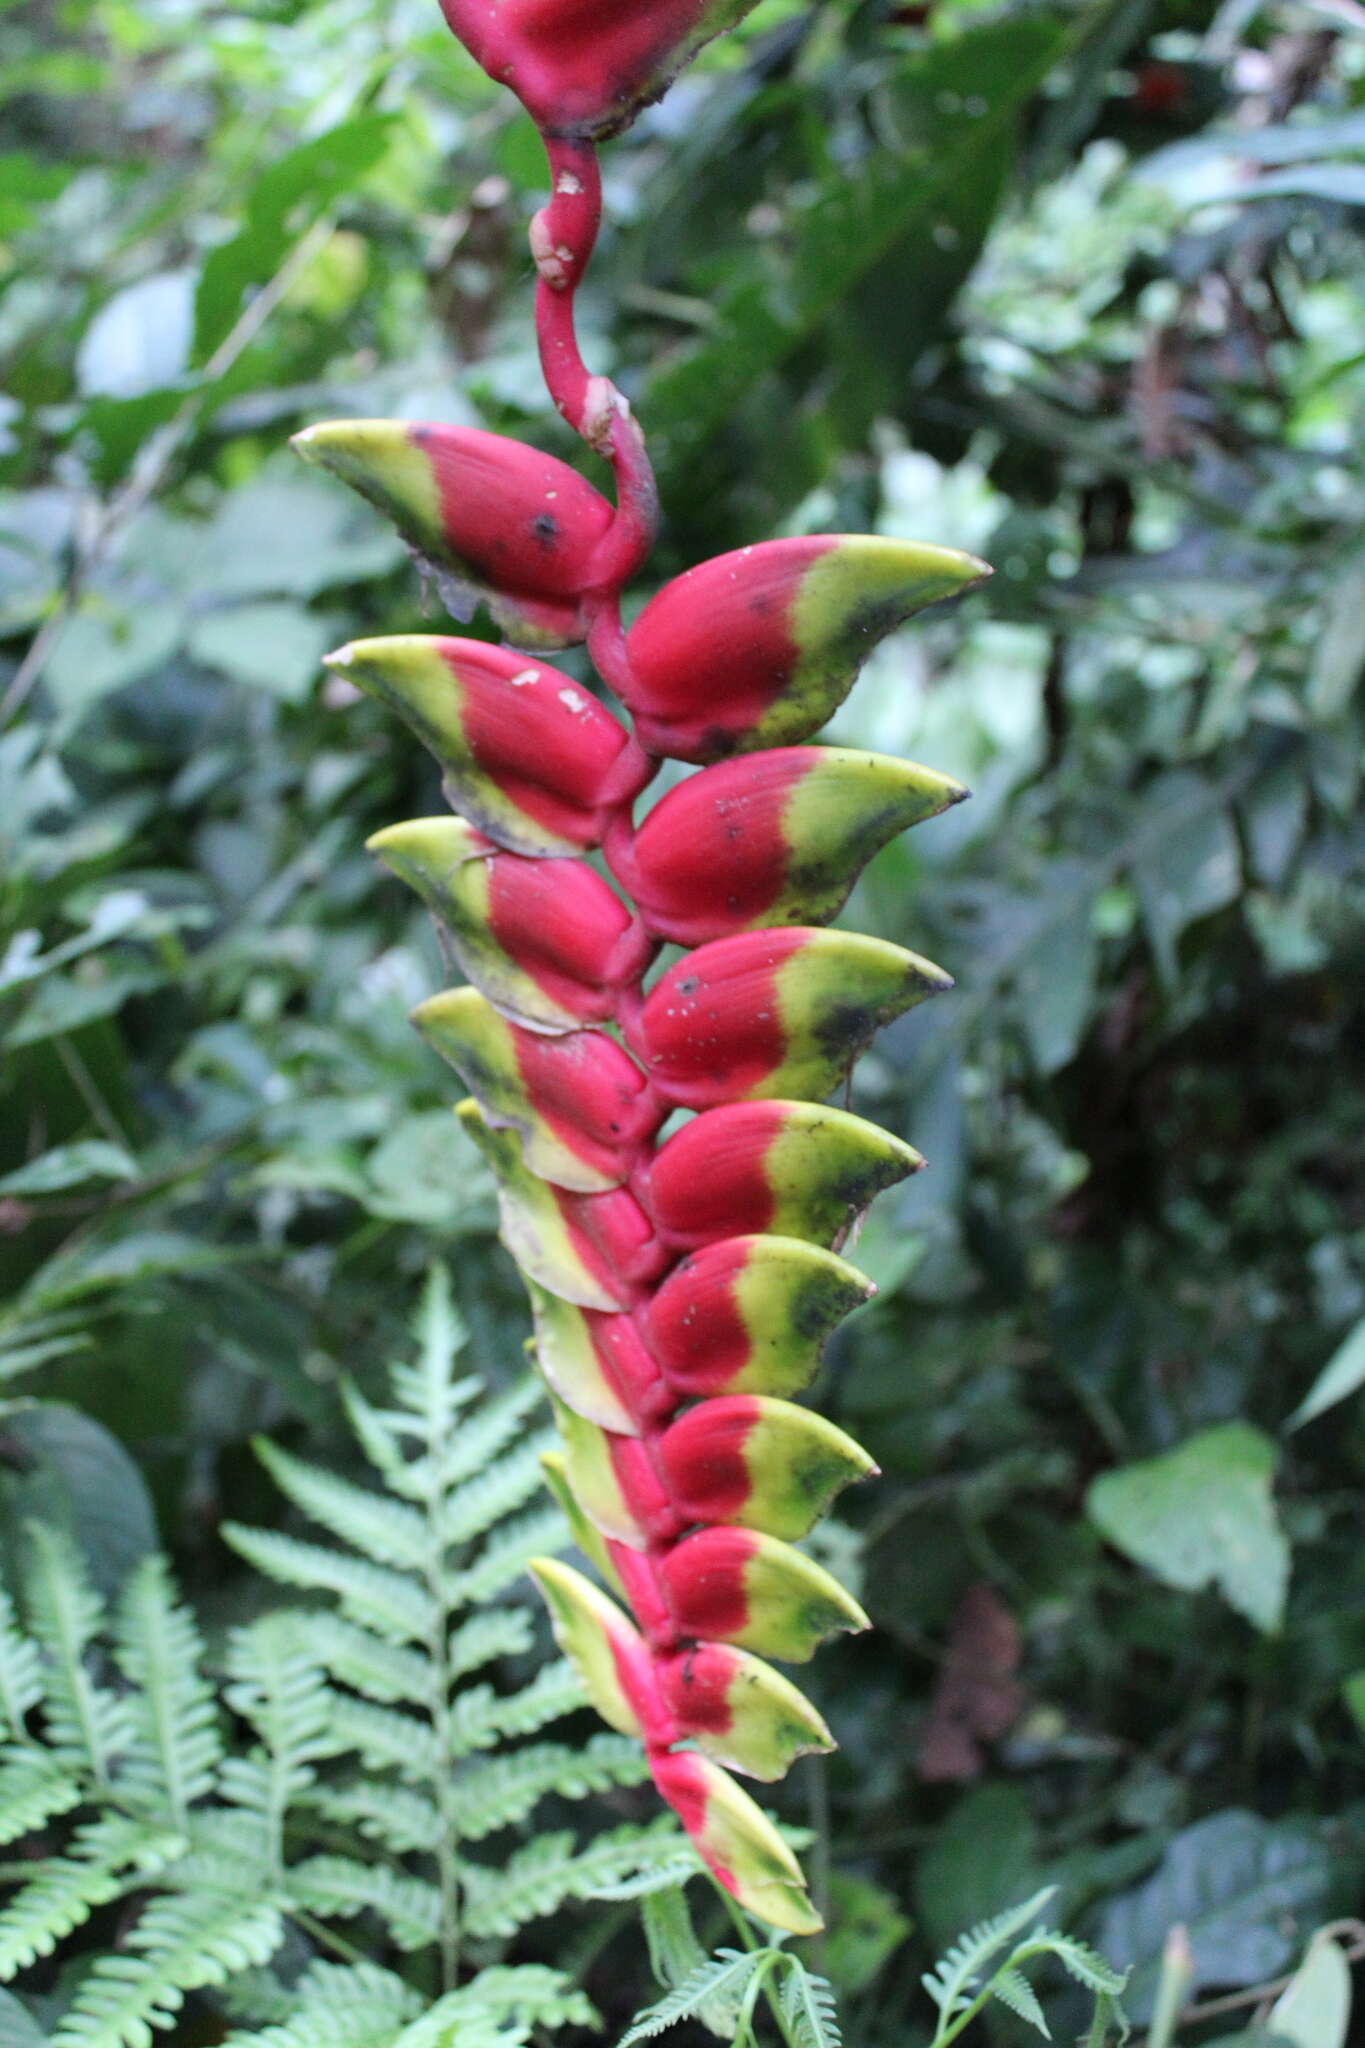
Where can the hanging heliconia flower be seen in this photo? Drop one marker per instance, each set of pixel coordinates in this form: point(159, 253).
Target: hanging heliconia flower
point(682, 1286)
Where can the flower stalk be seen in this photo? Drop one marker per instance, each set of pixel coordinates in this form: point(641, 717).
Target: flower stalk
point(682, 1284)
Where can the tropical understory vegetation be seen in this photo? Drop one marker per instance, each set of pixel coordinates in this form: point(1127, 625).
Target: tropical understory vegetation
point(1076, 288)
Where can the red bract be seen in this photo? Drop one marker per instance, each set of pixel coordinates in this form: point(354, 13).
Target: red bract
point(681, 1288)
point(762, 645)
point(489, 520)
point(585, 67)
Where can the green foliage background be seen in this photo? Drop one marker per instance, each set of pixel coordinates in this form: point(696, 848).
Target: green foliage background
point(1076, 287)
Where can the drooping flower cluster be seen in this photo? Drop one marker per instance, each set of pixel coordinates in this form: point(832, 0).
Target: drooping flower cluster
point(682, 1285)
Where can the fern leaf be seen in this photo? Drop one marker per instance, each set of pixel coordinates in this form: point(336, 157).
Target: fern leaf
point(277, 1687)
point(723, 1977)
point(477, 1506)
point(180, 1944)
point(481, 1718)
point(382, 1599)
point(338, 2005)
point(386, 1739)
point(21, 1683)
point(808, 2007)
point(86, 1723)
point(401, 1818)
point(387, 1530)
point(380, 1438)
point(34, 1787)
point(387, 1672)
point(339, 1887)
point(492, 1795)
point(1082, 1963)
point(1013, 1989)
point(501, 1632)
point(429, 1390)
point(674, 1951)
point(962, 1966)
point(539, 1878)
point(518, 1997)
point(504, 1558)
point(485, 1436)
point(175, 1748)
point(103, 1860)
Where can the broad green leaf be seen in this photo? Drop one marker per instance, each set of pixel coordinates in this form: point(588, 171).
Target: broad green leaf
point(1342, 1376)
point(287, 197)
point(276, 647)
point(70, 1166)
point(983, 1858)
point(1186, 862)
point(1246, 1890)
point(852, 223)
point(139, 340)
point(1203, 1515)
point(18, 2028)
point(73, 1474)
point(1353, 1691)
point(1315, 2010)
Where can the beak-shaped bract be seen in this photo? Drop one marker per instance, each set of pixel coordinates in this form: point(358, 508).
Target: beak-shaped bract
point(527, 755)
point(757, 648)
point(490, 521)
point(791, 1168)
point(581, 1106)
point(586, 67)
point(772, 838)
point(596, 1249)
point(782, 1013)
point(546, 940)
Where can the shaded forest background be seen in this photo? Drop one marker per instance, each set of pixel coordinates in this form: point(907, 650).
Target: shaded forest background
point(1077, 288)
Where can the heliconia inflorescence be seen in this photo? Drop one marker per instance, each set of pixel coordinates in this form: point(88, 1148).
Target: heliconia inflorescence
point(682, 1284)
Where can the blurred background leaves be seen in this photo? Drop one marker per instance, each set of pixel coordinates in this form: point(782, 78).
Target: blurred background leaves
point(1077, 287)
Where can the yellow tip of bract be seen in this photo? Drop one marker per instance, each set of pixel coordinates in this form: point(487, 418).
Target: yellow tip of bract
point(588, 1538)
point(594, 1635)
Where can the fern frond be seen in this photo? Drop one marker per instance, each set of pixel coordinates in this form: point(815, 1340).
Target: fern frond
point(386, 1739)
point(180, 1944)
point(481, 1718)
point(948, 1981)
point(504, 1558)
point(385, 1600)
point(21, 1681)
point(86, 1724)
point(340, 1887)
point(1082, 1963)
point(175, 1748)
point(725, 1976)
point(509, 2001)
point(538, 1879)
point(35, 1786)
point(494, 1794)
point(429, 1390)
point(674, 1951)
point(402, 1819)
point(808, 2007)
point(477, 1506)
point(277, 1687)
point(501, 1632)
point(384, 1671)
point(103, 1860)
point(1013, 1989)
point(338, 2005)
point(482, 1438)
point(386, 1530)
